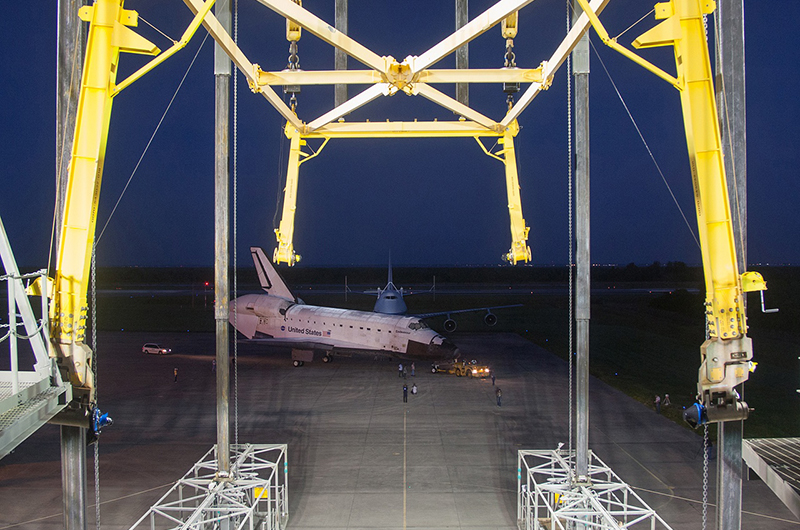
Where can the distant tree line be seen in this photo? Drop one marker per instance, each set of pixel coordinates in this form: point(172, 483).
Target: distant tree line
point(418, 277)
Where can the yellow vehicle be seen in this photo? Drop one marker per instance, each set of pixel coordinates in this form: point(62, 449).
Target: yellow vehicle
point(462, 368)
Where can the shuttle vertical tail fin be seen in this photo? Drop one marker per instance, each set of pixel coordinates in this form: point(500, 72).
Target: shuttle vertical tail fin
point(268, 277)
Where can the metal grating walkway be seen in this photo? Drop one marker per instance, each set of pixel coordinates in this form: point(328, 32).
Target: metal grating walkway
point(777, 462)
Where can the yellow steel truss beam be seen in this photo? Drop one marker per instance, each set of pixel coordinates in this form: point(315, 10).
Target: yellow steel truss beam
point(285, 252)
point(369, 77)
point(248, 69)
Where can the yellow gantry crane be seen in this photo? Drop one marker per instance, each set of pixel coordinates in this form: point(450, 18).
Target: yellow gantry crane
point(726, 356)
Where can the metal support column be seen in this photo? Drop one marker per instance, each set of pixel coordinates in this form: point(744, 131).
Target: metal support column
point(73, 476)
point(462, 53)
point(580, 65)
point(730, 88)
point(69, 70)
point(222, 80)
point(340, 57)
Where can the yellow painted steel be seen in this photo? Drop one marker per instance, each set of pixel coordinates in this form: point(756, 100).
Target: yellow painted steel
point(285, 253)
point(726, 357)
point(108, 36)
point(175, 48)
point(520, 251)
point(294, 30)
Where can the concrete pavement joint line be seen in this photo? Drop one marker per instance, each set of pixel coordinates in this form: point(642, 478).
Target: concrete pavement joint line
point(670, 488)
point(405, 488)
point(89, 506)
point(694, 501)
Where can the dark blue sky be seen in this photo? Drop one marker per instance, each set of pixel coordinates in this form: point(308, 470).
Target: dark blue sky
point(431, 202)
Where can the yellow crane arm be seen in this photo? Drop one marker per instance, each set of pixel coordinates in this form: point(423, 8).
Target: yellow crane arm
point(108, 36)
point(520, 251)
point(284, 252)
point(726, 356)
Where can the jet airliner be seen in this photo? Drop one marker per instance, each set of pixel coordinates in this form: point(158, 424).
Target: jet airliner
point(280, 318)
point(390, 302)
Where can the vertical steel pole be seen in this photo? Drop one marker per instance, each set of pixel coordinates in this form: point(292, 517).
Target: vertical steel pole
point(73, 476)
point(730, 87)
point(462, 53)
point(339, 57)
point(69, 70)
point(580, 65)
point(222, 81)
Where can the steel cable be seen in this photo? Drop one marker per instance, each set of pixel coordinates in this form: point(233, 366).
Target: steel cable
point(94, 375)
point(570, 236)
point(649, 152)
point(150, 141)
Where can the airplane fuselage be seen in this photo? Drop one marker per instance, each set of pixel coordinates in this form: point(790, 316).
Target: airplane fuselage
point(263, 316)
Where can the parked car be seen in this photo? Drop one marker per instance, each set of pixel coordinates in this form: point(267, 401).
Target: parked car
point(155, 349)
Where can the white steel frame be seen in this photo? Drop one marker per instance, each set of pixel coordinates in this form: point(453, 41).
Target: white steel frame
point(254, 496)
point(548, 497)
point(28, 398)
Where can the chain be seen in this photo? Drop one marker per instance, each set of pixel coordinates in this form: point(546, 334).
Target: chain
point(94, 376)
point(509, 57)
point(235, 201)
point(705, 27)
point(705, 474)
point(510, 61)
point(293, 65)
point(569, 210)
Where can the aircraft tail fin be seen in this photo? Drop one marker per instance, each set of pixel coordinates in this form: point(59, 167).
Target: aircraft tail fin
point(268, 277)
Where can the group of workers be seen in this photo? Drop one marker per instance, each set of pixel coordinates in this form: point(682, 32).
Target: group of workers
point(402, 371)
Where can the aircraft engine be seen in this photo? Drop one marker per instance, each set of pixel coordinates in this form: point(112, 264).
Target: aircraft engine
point(490, 319)
point(450, 325)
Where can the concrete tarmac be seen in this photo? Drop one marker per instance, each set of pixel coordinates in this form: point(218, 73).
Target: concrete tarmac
point(358, 456)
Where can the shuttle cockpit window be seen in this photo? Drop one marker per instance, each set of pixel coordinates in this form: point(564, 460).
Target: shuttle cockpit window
point(417, 324)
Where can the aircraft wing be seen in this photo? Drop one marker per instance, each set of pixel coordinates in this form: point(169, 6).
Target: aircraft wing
point(471, 310)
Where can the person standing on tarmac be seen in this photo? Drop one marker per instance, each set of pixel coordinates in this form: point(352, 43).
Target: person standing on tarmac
point(400, 370)
point(499, 394)
point(405, 393)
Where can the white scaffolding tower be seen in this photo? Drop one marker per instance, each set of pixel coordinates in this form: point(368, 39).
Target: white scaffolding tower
point(29, 395)
point(255, 495)
point(549, 498)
